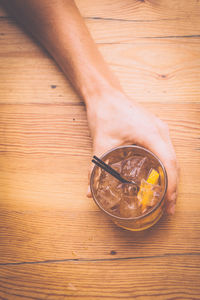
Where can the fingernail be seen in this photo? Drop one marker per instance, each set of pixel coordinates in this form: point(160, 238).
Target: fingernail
point(171, 208)
point(89, 195)
point(173, 197)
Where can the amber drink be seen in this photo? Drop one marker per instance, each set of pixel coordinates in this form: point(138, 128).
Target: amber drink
point(130, 207)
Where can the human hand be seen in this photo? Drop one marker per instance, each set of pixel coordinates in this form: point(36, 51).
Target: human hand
point(115, 120)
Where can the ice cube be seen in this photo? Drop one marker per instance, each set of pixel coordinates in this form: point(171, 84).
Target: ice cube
point(122, 199)
point(156, 195)
point(129, 208)
point(117, 166)
point(109, 191)
point(135, 168)
point(107, 198)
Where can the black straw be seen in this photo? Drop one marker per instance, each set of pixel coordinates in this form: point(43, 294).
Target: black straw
point(100, 163)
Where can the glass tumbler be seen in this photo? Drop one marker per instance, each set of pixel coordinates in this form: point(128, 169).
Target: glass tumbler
point(152, 216)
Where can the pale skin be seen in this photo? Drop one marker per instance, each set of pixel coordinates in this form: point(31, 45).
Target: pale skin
point(113, 118)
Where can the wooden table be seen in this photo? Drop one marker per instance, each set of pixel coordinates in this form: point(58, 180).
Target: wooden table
point(54, 242)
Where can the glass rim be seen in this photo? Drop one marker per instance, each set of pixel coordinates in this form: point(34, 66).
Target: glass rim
point(157, 204)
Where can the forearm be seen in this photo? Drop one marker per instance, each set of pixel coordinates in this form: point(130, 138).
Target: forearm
point(59, 27)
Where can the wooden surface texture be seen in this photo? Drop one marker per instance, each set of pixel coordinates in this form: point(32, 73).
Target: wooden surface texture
point(54, 241)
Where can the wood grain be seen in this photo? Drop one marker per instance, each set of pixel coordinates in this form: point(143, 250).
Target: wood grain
point(63, 234)
point(115, 279)
point(148, 71)
point(54, 242)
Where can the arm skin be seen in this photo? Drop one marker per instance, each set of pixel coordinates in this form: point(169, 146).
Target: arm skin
point(113, 119)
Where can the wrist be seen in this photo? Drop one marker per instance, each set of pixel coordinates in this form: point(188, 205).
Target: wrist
point(94, 81)
point(100, 91)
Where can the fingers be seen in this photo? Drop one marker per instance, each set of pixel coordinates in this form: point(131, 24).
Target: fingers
point(164, 150)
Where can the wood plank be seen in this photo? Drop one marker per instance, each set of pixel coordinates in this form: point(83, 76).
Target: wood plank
point(135, 9)
point(127, 32)
point(161, 70)
point(140, 10)
point(127, 20)
point(162, 277)
point(115, 31)
point(34, 121)
point(142, 81)
point(53, 233)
